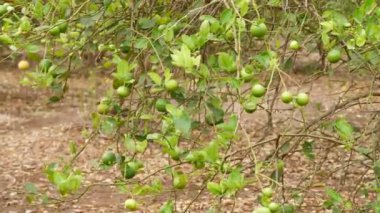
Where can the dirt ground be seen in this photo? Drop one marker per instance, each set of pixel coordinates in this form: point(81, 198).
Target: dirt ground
point(34, 133)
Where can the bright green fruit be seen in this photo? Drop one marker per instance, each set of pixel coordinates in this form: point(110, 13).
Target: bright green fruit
point(127, 171)
point(3, 9)
point(259, 30)
point(258, 90)
point(23, 65)
point(294, 45)
point(5, 39)
point(267, 192)
point(334, 56)
point(74, 34)
point(161, 105)
point(230, 34)
point(302, 99)
point(108, 158)
point(25, 24)
point(123, 91)
point(286, 97)
point(280, 165)
point(171, 85)
point(250, 106)
point(55, 31)
point(262, 210)
point(274, 207)
point(180, 181)
point(62, 25)
point(102, 108)
point(45, 64)
point(131, 204)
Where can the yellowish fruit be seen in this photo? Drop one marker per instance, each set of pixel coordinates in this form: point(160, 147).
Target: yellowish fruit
point(23, 65)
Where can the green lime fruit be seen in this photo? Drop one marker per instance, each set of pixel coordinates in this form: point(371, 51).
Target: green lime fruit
point(258, 90)
point(274, 207)
point(123, 91)
point(55, 31)
point(302, 99)
point(262, 210)
point(131, 204)
point(23, 65)
point(286, 97)
point(3, 9)
point(102, 108)
point(171, 85)
point(180, 181)
point(45, 64)
point(267, 192)
point(5, 39)
point(161, 105)
point(334, 56)
point(127, 171)
point(250, 106)
point(74, 34)
point(108, 158)
point(294, 45)
point(259, 30)
point(62, 25)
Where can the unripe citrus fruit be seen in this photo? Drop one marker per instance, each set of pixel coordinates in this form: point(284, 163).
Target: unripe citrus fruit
point(250, 106)
point(334, 56)
point(294, 45)
point(131, 204)
point(161, 105)
point(102, 108)
point(62, 25)
point(258, 90)
point(267, 192)
point(286, 97)
point(55, 31)
point(274, 207)
point(108, 158)
point(262, 210)
point(302, 99)
point(171, 85)
point(45, 64)
point(127, 171)
point(180, 181)
point(259, 30)
point(123, 91)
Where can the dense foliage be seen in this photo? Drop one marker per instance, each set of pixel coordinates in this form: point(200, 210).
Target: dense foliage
point(184, 74)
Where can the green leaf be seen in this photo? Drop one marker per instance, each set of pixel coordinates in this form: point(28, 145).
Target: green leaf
point(145, 23)
point(226, 62)
point(168, 207)
point(308, 149)
point(227, 17)
point(108, 126)
point(156, 78)
point(181, 120)
point(214, 188)
point(141, 43)
point(182, 58)
point(30, 188)
point(344, 129)
point(335, 196)
point(376, 168)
